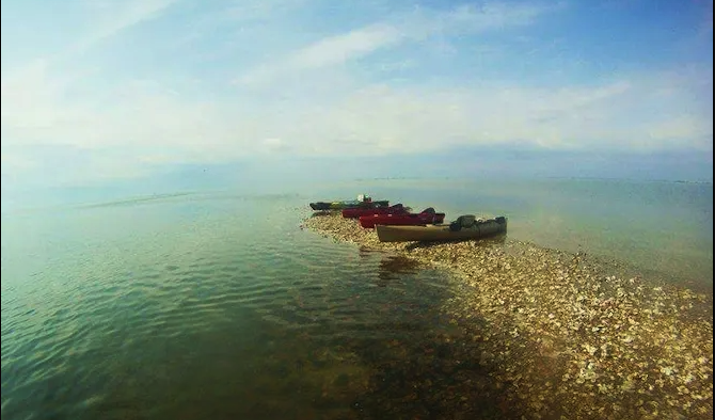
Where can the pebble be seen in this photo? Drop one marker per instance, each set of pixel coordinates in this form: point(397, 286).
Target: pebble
point(646, 347)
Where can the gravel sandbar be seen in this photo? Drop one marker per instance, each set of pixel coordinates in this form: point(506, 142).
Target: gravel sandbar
point(569, 339)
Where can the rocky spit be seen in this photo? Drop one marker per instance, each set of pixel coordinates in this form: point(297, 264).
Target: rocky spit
point(561, 335)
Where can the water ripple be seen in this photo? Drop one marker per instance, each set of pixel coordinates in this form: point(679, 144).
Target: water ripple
point(141, 322)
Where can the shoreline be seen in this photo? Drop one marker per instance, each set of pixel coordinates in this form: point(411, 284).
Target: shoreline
point(563, 333)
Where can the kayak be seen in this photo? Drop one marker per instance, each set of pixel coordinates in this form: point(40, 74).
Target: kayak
point(464, 228)
point(427, 216)
point(348, 204)
point(355, 213)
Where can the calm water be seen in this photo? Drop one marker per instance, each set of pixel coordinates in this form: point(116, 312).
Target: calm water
point(220, 306)
point(663, 228)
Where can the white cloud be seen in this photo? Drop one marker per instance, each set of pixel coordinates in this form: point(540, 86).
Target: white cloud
point(113, 17)
point(681, 128)
point(309, 103)
point(357, 120)
point(416, 26)
point(339, 49)
point(13, 163)
point(326, 52)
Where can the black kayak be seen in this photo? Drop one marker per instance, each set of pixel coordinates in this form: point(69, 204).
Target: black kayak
point(351, 204)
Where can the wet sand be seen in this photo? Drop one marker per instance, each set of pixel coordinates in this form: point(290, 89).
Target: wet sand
point(564, 336)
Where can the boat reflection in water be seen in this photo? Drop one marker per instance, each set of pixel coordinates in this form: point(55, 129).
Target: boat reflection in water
point(392, 266)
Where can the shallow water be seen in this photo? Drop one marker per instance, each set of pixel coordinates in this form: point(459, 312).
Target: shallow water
point(660, 227)
point(197, 307)
point(220, 306)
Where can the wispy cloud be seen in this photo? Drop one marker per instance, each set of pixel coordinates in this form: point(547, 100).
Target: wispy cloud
point(33, 96)
point(326, 52)
point(253, 82)
point(113, 17)
point(383, 120)
point(417, 25)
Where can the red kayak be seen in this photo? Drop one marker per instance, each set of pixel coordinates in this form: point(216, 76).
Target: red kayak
point(357, 212)
point(426, 217)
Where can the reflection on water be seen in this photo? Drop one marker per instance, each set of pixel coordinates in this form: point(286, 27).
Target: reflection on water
point(192, 309)
point(391, 266)
point(661, 226)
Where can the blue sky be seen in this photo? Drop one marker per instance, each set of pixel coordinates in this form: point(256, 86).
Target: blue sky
point(105, 91)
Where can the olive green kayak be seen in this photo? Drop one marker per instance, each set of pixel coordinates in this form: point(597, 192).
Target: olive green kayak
point(464, 228)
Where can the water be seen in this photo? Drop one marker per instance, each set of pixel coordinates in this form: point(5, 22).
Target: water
point(662, 228)
point(195, 306)
point(220, 306)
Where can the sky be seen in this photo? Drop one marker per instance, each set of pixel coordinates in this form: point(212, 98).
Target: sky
point(101, 92)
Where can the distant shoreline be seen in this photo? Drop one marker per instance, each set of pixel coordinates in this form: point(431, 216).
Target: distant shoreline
point(584, 178)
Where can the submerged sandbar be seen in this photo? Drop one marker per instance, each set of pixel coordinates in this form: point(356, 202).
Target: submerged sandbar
point(567, 338)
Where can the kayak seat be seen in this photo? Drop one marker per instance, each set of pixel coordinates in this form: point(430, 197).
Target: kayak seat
point(465, 221)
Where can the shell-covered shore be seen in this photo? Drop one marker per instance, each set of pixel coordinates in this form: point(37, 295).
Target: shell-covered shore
point(565, 337)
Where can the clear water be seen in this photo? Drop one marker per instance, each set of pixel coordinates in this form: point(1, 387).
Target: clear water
point(662, 228)
point(220, 306)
